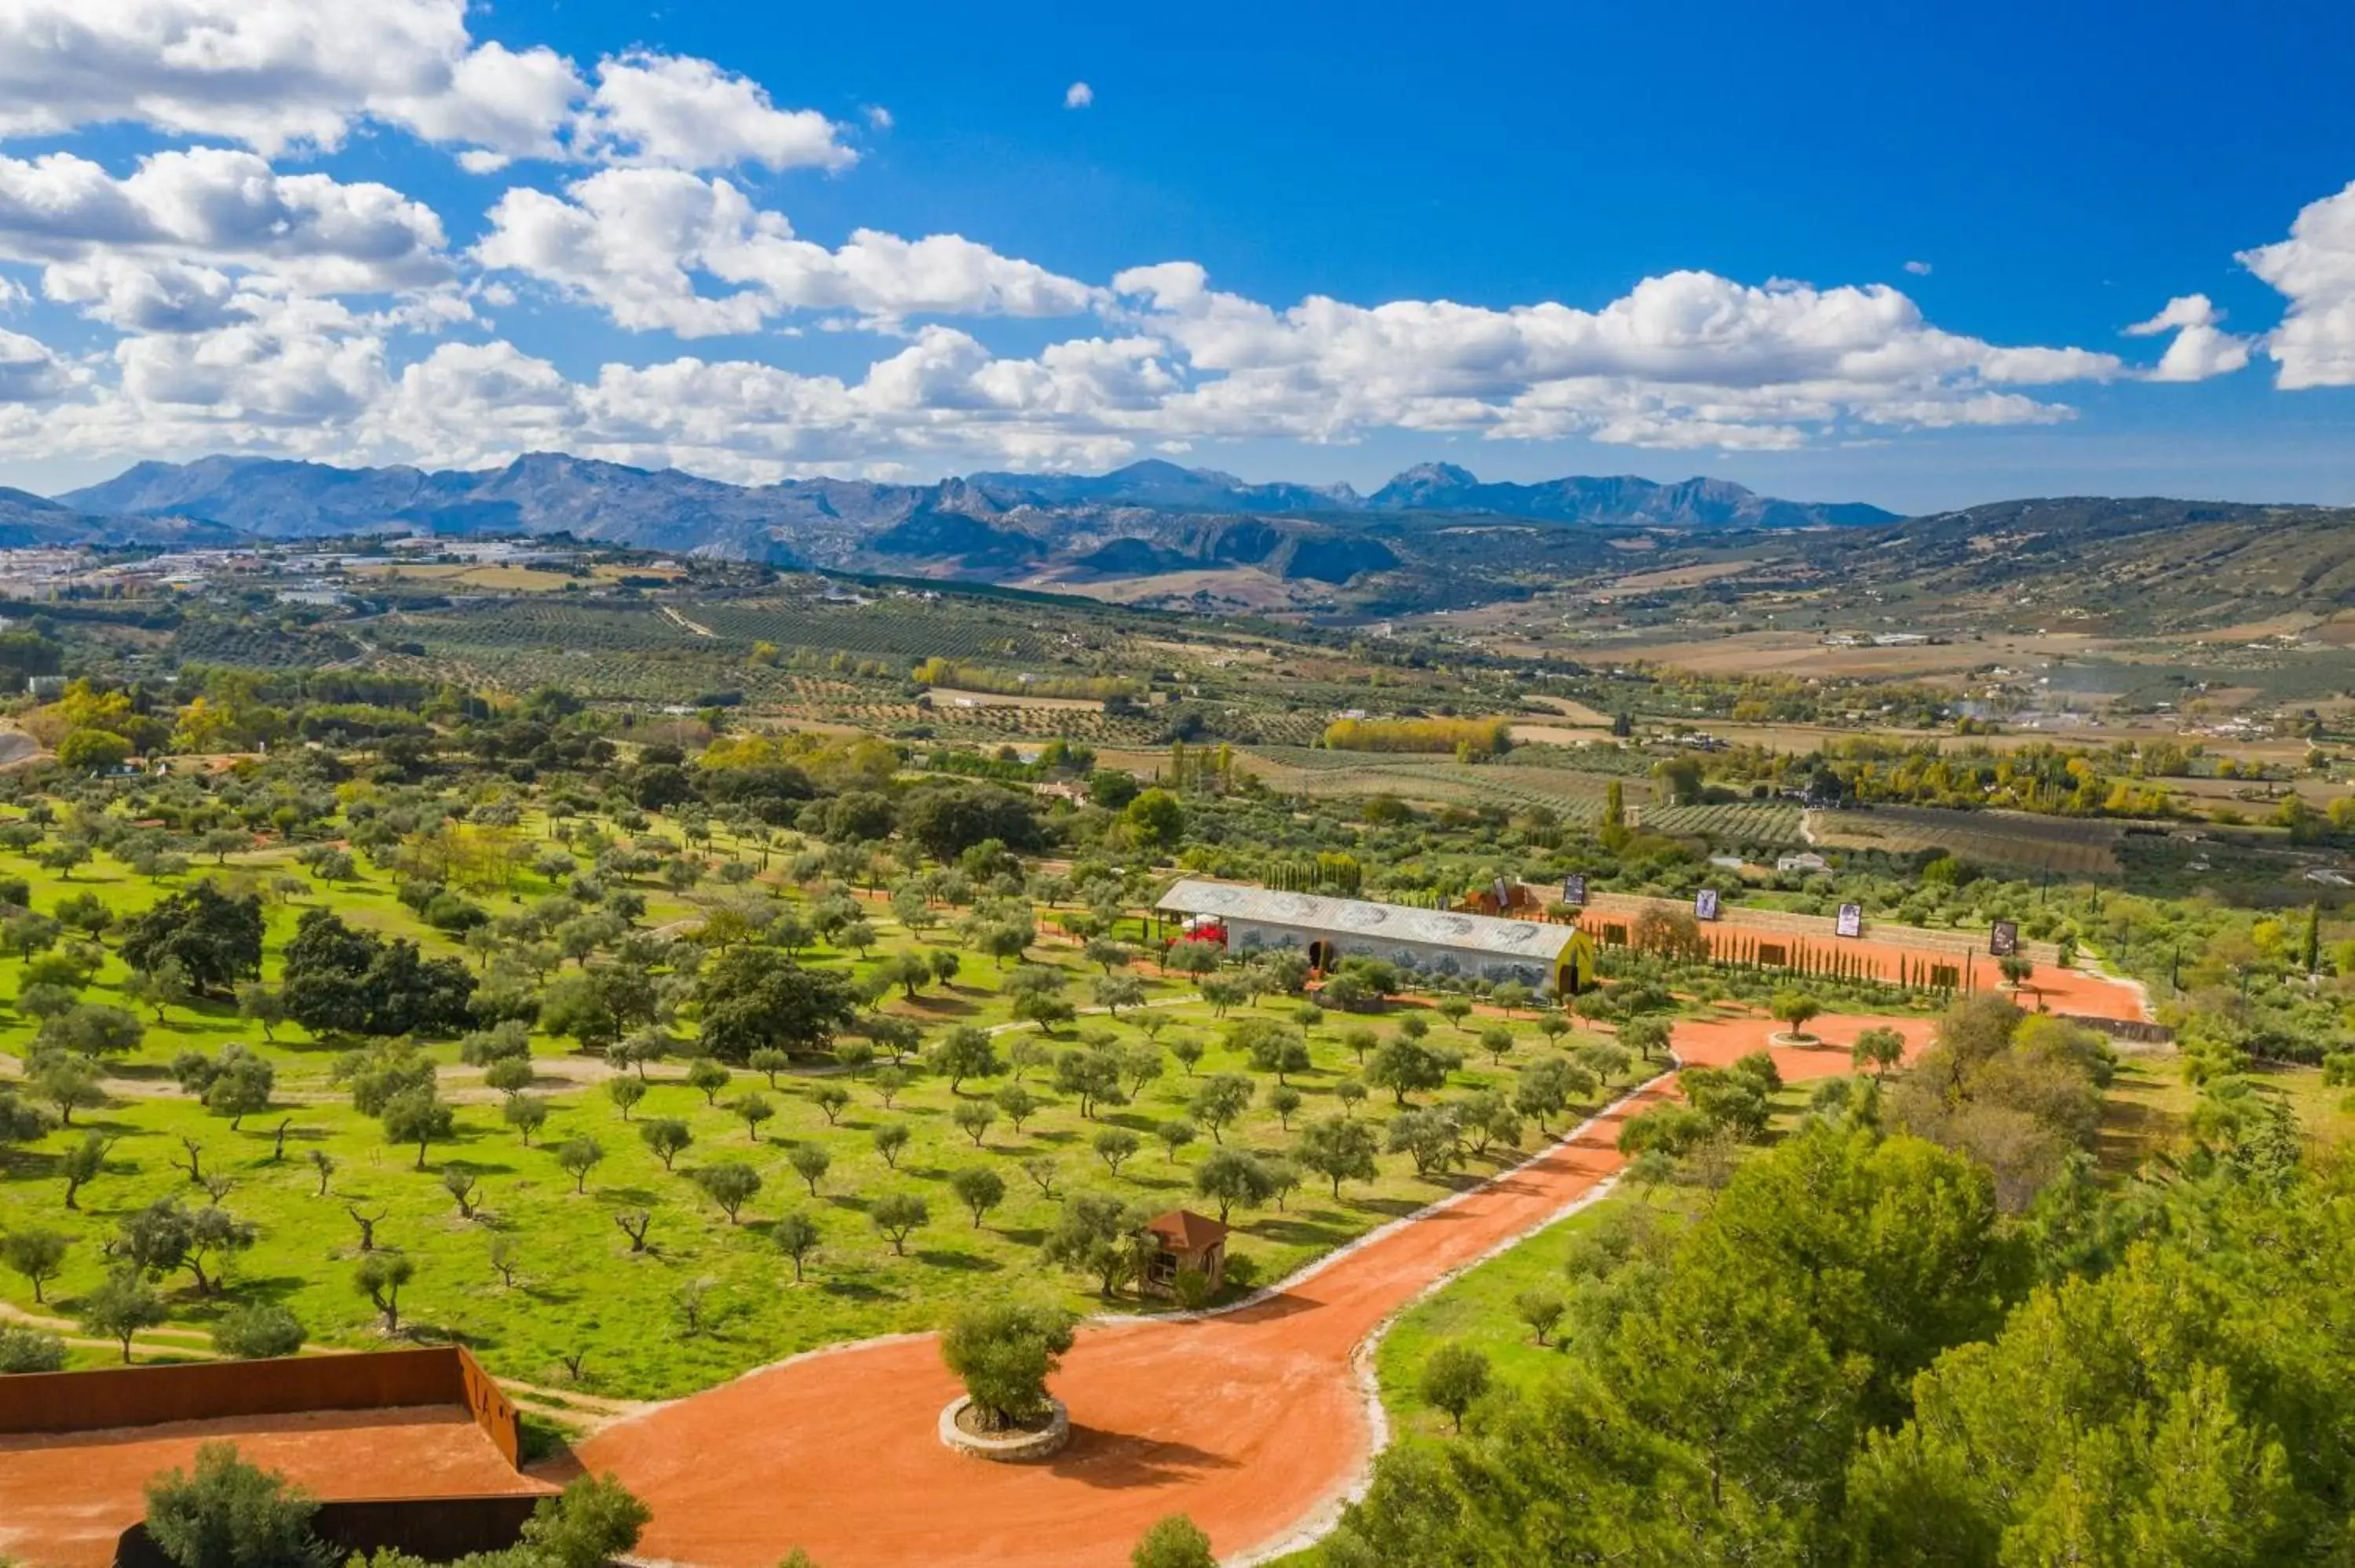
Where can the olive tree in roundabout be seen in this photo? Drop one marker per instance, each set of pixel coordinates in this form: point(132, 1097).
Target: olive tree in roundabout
point(1004, 1351)
point(1797, 1008)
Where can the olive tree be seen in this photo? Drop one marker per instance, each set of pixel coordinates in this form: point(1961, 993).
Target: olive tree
point(1004, 1351)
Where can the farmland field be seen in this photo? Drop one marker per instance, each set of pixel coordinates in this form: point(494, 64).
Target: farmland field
point(1574, 797)
point(542, 623)
point(896, 629)
point(2063, 846)
point(1770, 824)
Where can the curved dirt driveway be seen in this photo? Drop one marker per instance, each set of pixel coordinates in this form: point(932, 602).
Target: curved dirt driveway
point(1254, 1422)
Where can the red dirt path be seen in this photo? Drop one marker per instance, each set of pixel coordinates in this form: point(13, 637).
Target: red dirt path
point(64, 1498)
point(1252, 1421)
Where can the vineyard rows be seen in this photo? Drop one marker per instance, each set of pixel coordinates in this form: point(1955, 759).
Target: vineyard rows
point(1765, 823)
point(540, 624)
point(901, 630)
point(2063, 846)
point(260, 647)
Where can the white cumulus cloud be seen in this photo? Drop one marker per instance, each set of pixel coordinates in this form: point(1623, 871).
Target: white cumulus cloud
point(269, 73)
point(29, 371)
point(2314, 269)
point(673, 112)
point(1689, 358)
point(210, 208)
point(280, 75)
point(2201, 348)
point(640, 243)
point(1078, 95)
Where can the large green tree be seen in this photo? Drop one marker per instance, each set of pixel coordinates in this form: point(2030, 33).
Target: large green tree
point(214, 937)
point(339, 980)
point(759, 999)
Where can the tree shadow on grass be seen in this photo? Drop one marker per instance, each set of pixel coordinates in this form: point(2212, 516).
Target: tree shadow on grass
point(1396, 1208)
point(273, 1289)
point(141, 1072)
point(931, 1004)
point(1295, 1231)
point(962, 1261)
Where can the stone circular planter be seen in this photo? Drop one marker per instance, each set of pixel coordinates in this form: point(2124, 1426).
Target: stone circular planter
point(1789, 1041)
point(1006, 1448)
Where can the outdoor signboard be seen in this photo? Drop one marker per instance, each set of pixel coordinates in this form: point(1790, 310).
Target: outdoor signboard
point(2003, 939)
point(1851, 920)
point(1573, 889)
point(1705, 903)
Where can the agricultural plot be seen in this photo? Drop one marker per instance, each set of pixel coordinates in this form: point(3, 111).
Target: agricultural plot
point(1767, 824)
point(545, 624)
point(2071, 846)
point(907, 629)
point(1573, 797)
point(671, 676)
point(261, 647)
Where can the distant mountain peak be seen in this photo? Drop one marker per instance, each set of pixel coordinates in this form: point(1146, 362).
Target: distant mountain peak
point(837, 522)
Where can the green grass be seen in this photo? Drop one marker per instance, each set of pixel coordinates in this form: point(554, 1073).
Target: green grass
point(580, 1290)
point(1476, 1309)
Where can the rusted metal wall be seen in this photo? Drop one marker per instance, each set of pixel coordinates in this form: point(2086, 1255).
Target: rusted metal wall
point(210, 1391)
point(493, 1413)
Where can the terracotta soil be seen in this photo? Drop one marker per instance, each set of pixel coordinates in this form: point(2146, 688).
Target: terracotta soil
point(1252, 1421)
point(65, 1497)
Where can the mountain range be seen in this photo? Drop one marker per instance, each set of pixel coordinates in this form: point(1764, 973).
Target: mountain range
point(1149, 518)
point(1157, 533)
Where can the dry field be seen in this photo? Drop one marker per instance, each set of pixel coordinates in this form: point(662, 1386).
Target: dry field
point(1679, 577)
point(1805, 653)
point(951, 697)
point(1556, 735)
point(1239, 586)
point(2066, 846)
point(1577, 712)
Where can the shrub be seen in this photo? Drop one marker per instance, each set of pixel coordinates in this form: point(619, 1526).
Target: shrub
point(592, 1521)
point(1176, 1541)
point(30, 1350)
point(1454, 1379)
point(230, 1514)
point(258, 1332)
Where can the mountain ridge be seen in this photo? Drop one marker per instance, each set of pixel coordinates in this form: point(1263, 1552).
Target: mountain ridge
point(542, 491)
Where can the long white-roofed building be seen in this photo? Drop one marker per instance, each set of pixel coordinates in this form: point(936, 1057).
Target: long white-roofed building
point(1542, 955)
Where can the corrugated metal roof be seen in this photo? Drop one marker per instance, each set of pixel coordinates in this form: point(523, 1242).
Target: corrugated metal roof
point(1528, 939)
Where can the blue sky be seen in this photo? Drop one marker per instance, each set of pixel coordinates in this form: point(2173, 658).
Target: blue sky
point(1885, 254)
